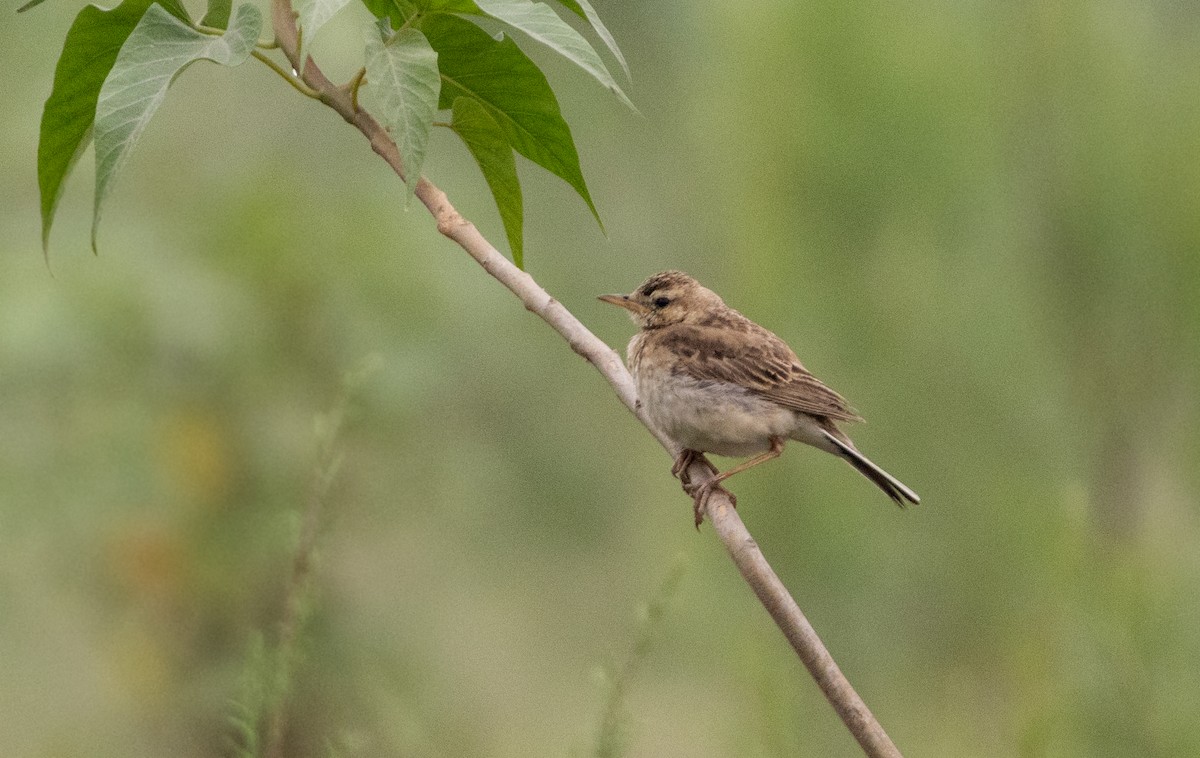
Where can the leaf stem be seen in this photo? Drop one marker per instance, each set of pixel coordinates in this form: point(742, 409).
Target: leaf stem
point(216, 32)
point(407, 23)
point(300, 86)
point(354, 85)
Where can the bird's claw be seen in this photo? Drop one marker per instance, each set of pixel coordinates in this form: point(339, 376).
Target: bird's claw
point(698, 492)
point(700, 495)
point(684, 461)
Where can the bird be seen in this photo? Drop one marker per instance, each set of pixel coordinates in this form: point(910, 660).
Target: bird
point(714, 381)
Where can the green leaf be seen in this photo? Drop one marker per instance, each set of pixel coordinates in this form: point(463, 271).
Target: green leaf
point(176, 9)
point(314, 13)
point(448, 6)
point(584, 10)
point(398, 11)
point(159, 48)
point(401, 11)
point(487, 143)
point(404, 86)
point(88, 55)
point(217, 15)
point(535, 19)
point(311, 16)
point(502, 79)
point(539, 21)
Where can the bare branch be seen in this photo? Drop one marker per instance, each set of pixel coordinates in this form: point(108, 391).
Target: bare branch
point(794, 625)
point(726, 522)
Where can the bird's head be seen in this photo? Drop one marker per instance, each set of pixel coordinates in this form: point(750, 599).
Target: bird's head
point(668, 297)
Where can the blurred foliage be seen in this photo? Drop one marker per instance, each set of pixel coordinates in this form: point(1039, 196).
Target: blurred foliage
point(977, 221)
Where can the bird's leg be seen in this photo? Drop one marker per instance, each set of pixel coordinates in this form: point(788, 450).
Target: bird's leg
point(701, 493)
point(774, 452)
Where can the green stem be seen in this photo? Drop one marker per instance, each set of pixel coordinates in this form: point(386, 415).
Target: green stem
point(354, 86)
point(259, 46)
point(215, 32)
point(408, 22)
point(300, 86)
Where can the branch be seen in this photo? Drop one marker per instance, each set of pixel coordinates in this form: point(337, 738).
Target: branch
point(794, 625)
point(726, 522)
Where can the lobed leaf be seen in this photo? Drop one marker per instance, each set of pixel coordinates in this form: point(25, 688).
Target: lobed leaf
point(513, 91)
point(157, 50)
point(488, 145)
point(89, 51)
point(405, 86)
point(535, 19)
point(540, 21)
point(311, 15)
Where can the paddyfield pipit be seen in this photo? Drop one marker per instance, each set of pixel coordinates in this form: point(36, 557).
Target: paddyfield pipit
point(716, 382)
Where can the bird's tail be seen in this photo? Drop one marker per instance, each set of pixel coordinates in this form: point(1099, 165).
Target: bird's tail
point(892, 486)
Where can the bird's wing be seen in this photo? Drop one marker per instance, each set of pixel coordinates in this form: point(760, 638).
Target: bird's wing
point(756, 359)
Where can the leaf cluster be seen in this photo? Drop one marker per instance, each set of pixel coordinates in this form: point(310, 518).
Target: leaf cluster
point(420, 57)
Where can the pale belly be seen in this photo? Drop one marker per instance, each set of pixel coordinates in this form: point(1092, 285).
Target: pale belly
point(716, 417)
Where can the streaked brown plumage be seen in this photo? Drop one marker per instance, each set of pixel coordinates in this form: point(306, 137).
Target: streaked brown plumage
point(716, 382)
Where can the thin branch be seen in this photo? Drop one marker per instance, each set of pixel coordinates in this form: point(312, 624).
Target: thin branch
point(609, 737)
point(297, 596)
point(300, 86)
point(726, 522)
point(298, 592)
point(799, 632)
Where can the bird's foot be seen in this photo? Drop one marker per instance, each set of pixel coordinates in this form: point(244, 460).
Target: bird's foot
point(698, 492)
point(684, 461)
point(700, 495)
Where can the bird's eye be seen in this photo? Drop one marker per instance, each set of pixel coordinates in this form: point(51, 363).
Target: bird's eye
point(661, 302)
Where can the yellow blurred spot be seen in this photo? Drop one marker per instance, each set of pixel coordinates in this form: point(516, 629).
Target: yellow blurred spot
point(196, 454)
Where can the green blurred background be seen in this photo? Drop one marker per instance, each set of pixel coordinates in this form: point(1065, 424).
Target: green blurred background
point(978, 221)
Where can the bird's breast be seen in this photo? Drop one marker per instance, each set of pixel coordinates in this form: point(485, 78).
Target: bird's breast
point(703, 414)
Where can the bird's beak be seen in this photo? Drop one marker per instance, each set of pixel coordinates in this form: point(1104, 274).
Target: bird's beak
point(623, 301)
